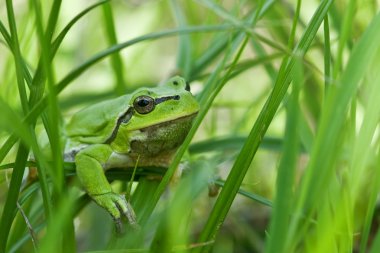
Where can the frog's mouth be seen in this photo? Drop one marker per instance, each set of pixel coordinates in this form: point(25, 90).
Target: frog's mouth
point(189, 118)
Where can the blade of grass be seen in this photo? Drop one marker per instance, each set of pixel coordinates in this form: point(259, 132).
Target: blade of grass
point(235, 142)
point(175, 220)
point(250, 147)
point(58, 40)
point(185, 52)
point(39, 76)
point(362, 151)
point(327, 53)
point(116, 60)
point(369, 216)
point(22, 153)
point(320, 167)
point(251, 196)
point(219, 44)
point(17, 56)
point(51, 122)
point(6, 35)
point(344, 36)
point(62, 224)
point(286, 170)
point(305, 131)
point(12, 196)
point(212, 89)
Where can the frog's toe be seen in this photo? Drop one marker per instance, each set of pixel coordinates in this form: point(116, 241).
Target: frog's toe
point(119, 226)
point(126, 210)
point(117, 206)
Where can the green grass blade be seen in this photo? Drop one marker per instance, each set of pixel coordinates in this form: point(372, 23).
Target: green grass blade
point(9, 210)
point(6, 35)
point(39, 75)
point(344, 36)
point(235, 142)
point(362, 152)
point(185, 52)
point(376, 243)
point(249, 195)
point(17, 56)
point(250, 147)
point(207, 97)
point(320, 168)
point(116, 60)
point(372, 202)
point(286, 170)
point(58, 40)
point(327, 53)
point(15, 184)
point(62, 224)
point(220, 42)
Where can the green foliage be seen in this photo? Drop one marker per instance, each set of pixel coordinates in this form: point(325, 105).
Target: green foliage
point(288, 126)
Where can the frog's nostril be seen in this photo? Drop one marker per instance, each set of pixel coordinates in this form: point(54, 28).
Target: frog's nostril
point(176, 97)
point(187, 86)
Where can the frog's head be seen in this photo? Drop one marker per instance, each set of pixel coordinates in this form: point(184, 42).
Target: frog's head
point(159, 118)
point(152, 106)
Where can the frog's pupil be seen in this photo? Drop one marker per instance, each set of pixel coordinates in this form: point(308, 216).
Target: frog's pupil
point(143, 102)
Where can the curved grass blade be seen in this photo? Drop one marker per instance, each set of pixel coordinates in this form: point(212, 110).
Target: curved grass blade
point(6, 35)
point(286, 170)
point(208, 97)
point(252, 196)
point(39, 77)
point(250, 147)
point(320, 168)
point(58, 40)
point(22, 153)
point(116, 60)
point(185, 52)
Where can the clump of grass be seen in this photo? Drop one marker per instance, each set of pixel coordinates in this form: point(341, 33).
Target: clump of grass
point(269, 91)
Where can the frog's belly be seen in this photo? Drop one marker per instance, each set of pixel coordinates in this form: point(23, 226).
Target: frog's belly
point(126, 160)
point(117, 160)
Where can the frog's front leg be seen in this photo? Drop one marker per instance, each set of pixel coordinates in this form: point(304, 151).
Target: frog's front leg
point(91, 174)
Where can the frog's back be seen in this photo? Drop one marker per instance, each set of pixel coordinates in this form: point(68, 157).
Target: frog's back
point(94, 124)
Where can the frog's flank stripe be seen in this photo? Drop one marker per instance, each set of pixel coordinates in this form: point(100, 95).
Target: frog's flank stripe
point(125, 117)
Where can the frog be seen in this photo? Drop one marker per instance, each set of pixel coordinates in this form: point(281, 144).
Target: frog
point(143, 128)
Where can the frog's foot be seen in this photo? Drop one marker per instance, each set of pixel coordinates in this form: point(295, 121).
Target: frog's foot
point(118, 207)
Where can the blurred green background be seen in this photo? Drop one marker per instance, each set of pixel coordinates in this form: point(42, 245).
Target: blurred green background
point(288, 127)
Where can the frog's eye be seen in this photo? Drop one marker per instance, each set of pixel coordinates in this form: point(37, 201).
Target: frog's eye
point(144, 104)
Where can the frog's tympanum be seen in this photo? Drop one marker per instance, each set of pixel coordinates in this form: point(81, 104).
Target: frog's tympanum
point(145, 127)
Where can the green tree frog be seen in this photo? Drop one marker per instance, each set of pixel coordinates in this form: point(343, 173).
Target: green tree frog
point(144, 127)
